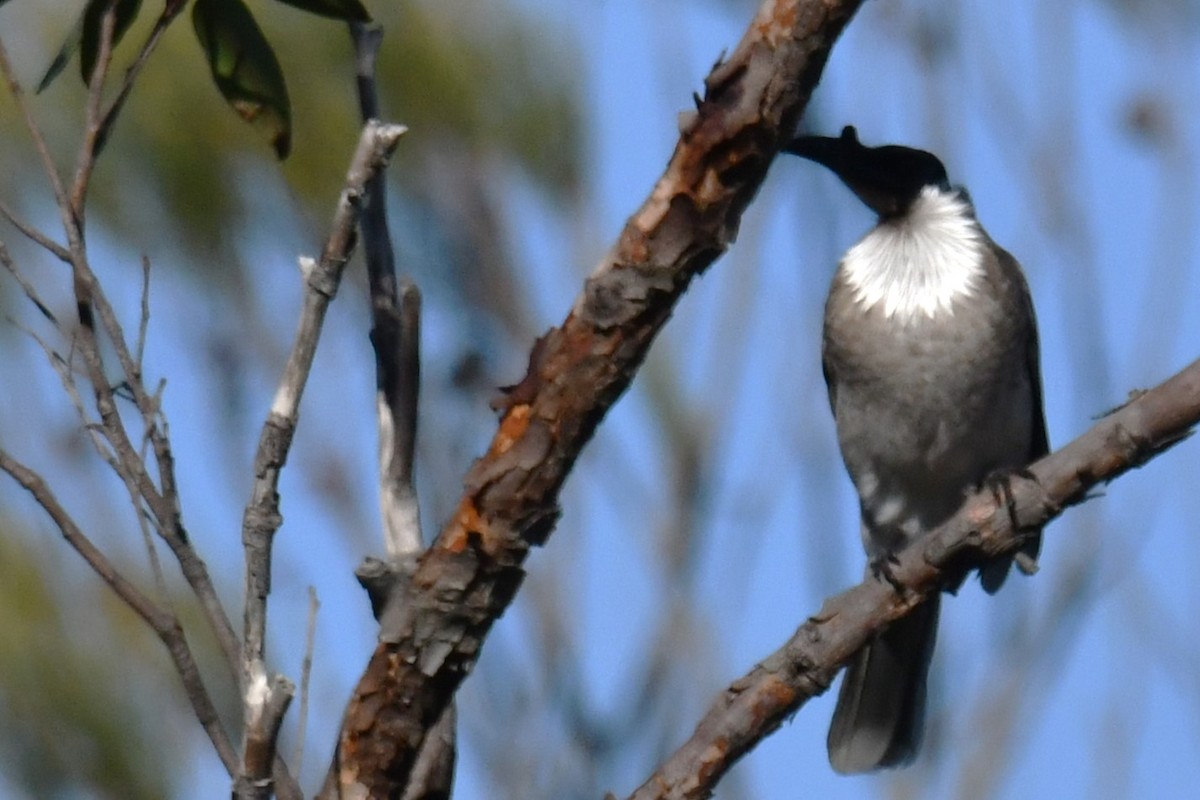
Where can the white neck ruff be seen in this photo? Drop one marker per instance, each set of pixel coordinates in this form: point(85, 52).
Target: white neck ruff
point(918, 264)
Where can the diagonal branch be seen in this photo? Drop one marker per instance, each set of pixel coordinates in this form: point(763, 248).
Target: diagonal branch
point(164, 623)
point(758, 703)
point(576, 372)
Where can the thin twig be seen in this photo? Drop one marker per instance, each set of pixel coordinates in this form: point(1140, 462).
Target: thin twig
point(35, 133)
point(145, 521)
point(262, 518)
point(396, 340)
point(166, 625)
point(310, 636)
point(28, 288)
point(171, 10)
point(162, 623)
point(162, 501)
point(66, 375)
point(398, 373)
point(164, 504)
point(395, 334)
point(85, 161)
point(139, 350)
point(34, 235)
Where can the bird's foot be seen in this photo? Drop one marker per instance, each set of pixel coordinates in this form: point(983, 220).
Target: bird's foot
point(881, 570)
point(999, 483)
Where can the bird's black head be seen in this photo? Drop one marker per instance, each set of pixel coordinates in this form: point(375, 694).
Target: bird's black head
point(886, 178)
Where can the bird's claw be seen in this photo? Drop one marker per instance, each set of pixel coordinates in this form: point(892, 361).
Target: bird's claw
point(999, 482)
point(881, 570)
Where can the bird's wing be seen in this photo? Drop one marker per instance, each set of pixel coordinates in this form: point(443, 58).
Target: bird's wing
point(1039, 443)
point(830, 375)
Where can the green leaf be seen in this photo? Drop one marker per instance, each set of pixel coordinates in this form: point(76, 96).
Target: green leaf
point(85, 37)
point(69, 46)
point(244, 68)
point(351, 10)
point(93, 19)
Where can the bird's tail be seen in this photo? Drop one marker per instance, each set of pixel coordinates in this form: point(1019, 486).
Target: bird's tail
point(881, 705)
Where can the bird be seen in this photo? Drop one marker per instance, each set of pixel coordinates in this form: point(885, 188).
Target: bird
point(930, 357)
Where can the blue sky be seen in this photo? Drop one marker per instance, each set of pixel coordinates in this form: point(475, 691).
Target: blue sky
point(1028, 107)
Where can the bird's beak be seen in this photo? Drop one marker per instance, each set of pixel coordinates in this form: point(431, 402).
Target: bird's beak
point(847, 158)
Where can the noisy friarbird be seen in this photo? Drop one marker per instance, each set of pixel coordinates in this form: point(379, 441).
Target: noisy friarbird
point(930, 354)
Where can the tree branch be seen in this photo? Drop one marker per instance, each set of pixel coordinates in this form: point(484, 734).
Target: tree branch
point(985, 527)
point(576, 372)
point(171, 9)
point(396, 339)
point(262, 518)
point(163, 623)
point(89, 296)
point(395, 335)
point(162, 500)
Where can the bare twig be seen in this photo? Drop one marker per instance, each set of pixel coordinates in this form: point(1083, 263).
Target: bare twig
point(398, 372)
point(165, 624)
point(28, 288)
point(33, 483)
point(262, 518)
point(310, 635)
point(34, 235)
point(139, 349)
point(162, 623)
point(396, 339)
point(171, 10)
point(576, 372)
point(163, 504)
point(66, 375)
point(35, 133)
point(270, 702)
point(162, 501)
point(804, 667)
point(395, 335)
point(85, 162)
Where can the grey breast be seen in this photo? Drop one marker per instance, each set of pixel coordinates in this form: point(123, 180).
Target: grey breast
point(927, 408)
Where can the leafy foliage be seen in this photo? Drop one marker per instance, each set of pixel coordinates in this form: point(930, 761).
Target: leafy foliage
point(93, 21)
point(337, 9)
point(503, 92)
point(243, 65)
point(85, 37)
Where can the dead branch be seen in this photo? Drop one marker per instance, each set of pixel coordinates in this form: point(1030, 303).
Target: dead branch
point(260, 696)
point(161, 621)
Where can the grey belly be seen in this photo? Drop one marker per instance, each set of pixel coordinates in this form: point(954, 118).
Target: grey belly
point(926, 413)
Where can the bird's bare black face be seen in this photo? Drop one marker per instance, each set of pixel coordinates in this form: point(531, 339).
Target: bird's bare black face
point(887, 179)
